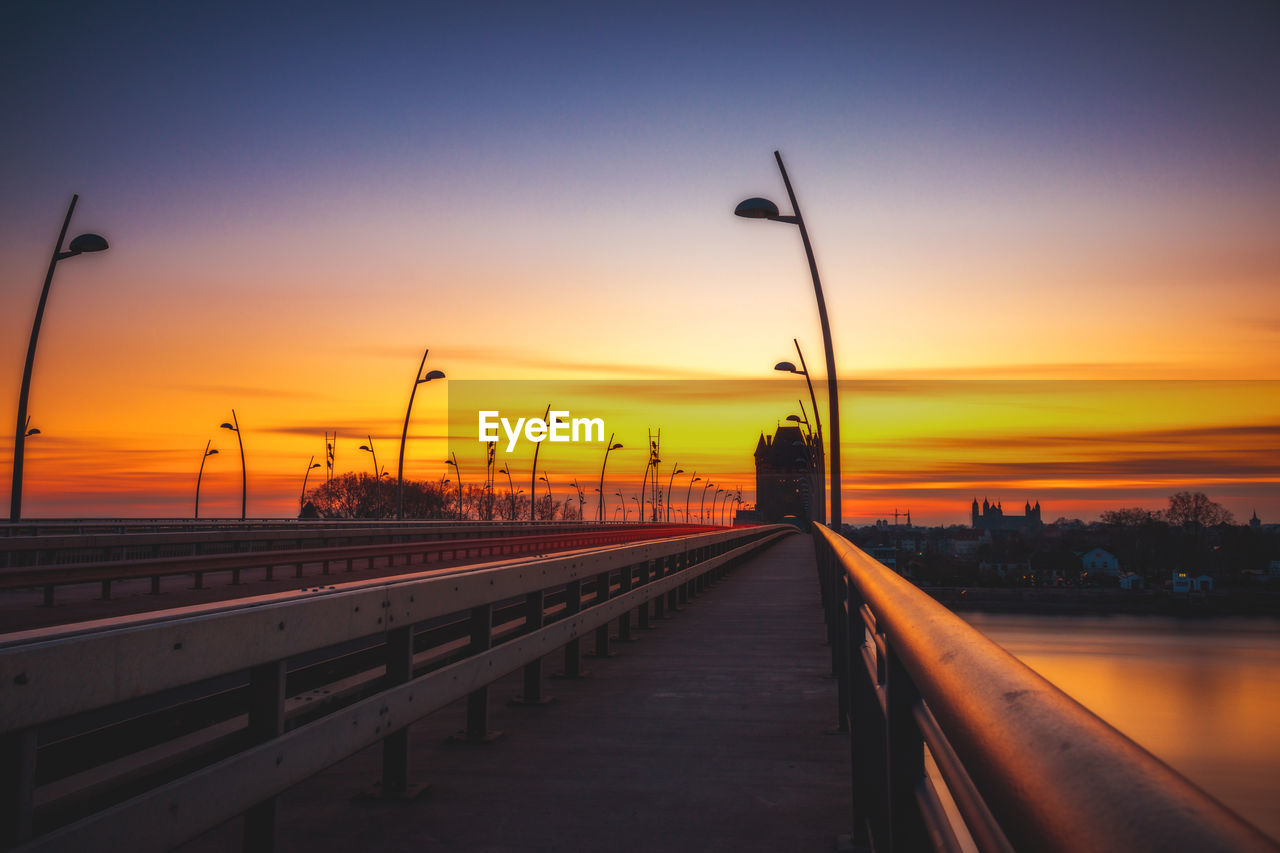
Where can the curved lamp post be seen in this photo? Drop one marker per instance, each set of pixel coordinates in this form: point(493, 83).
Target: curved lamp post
point(715, 497)
point(533, 474)
point(788, 367)
point(667, 497)
point(453, 461)
point(302, 499)
point(762, 208)
point(703, 500)
point(692, 479)
point(368, 448)
point(234, 426)
point(418, 379)
point(609, 448)
point(624, 505)
point(582, 497)
point(550, 500)
point(511, 489)
point(200, 474)
point(80, 245)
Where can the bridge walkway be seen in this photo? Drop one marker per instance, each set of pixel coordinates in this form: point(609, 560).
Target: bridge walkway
point(710, 732)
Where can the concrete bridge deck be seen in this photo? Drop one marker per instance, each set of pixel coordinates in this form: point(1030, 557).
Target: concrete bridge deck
point(709, 732)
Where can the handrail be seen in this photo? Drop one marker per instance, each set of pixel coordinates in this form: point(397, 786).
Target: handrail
point(50, 678)
point(1012, 748)
point(107, 572)
point(116, 544)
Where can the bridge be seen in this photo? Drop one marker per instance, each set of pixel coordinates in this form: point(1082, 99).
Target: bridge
point(425, 687)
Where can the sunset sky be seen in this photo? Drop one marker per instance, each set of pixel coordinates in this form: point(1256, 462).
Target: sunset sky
point(301, 198)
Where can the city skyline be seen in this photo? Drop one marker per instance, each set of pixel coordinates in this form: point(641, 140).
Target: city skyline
point(298, 204)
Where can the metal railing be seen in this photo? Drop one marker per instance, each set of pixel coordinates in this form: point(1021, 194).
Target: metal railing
point(234, 564)
point(146, 734)
point(81, 542)
point(1019, 763)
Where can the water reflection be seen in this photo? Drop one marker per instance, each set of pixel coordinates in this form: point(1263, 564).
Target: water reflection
point(1203, 695)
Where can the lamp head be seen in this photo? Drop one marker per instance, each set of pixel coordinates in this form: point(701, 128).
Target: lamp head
point(756, 208)
point(87, 243)
point(785, 367)
point(434, 374)
point(214, 451)
point(33, 431)
point(795, 418)
point(315, 465)
point(230, 427)
point(364, 447)
point(679, 470)
point(616, 446)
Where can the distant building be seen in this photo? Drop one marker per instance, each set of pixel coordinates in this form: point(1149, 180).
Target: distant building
point(789, 479)
point(1255, 522)
point(1100, 562)
point(1184, 583)
point(1007, 569)
point(1132, 580)
point(991, 518)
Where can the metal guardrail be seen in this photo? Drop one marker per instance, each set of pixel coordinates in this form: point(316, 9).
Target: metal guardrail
point(105, 573)
point(88, 541)
point(1025, 766)
point(421, 643)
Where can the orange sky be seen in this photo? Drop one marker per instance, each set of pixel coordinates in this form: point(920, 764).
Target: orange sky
point(1050, 195)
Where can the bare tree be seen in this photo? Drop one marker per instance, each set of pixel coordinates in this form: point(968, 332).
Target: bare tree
point(1194, 509)
point(1131, 517)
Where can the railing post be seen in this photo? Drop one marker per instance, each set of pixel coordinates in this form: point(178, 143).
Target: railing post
point(661, 568)
point(602, 632)
point(573, 648)
point(477, 730)
point(624, 620)
point(642, 612)
point(17, 785)
point(533, 618)
point(395, 746)
point(683, 562)
point(840, 650)
point(266, 721)
point(866, 742)
point(904, 756)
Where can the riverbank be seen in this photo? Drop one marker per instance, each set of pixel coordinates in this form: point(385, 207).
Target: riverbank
point(1234, 602)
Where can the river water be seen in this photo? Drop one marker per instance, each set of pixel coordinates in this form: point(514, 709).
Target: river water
point(1201, 694)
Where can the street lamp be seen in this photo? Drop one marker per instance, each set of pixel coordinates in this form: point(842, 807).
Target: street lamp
point(368, 448)
point(788, 367)
point(715, 497)
point(703, 500)
point(418, 379)
point(761, 208)
point(453, 460)
point(313, 464)
point(511, 489)
point(200, 475)
point(550, 501)
point(609, 448)
point(687, 491)
point(624, 505)
point(234, 426)
point(582, 497)
point(533, 473)
point(667, 501)
point(80, 245)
